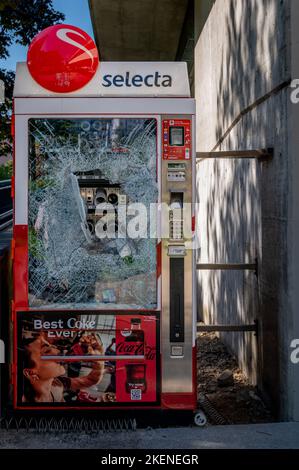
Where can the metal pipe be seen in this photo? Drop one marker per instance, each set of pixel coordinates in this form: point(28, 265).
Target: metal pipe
point(6, 224)
point(6, 214)
point(5, 182)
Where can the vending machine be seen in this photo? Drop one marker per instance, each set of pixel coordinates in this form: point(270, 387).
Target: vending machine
point(104, 289)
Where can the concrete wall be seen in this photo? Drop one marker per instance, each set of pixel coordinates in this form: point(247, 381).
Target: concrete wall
point(293, 220)
point(138, 30)
point(242, 67)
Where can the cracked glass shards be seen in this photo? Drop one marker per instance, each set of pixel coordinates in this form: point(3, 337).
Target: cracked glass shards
point(82, 174)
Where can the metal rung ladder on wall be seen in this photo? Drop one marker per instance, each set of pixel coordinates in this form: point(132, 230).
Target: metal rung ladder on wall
point(260, 155)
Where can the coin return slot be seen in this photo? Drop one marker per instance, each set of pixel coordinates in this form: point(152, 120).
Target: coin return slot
point(177, 351)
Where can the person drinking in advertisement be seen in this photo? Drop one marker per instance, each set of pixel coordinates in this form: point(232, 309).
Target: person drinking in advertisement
point(45, 380)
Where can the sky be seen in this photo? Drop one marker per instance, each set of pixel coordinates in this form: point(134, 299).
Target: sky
point(76, 13)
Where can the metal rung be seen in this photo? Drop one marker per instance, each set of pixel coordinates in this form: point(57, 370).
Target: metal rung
point(260, 154)
point(228, 267)
point(211, 328)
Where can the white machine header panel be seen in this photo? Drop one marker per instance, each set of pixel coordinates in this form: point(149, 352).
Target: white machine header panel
point(118, 79)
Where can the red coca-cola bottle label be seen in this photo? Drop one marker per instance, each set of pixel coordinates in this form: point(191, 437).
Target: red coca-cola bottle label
point(133, 344)
point(136, 377)
point(130, 348)
point(150, 353)
point(136, 347)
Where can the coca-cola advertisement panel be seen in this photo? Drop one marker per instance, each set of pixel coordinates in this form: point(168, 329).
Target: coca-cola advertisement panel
point(136, 336)
point(70, 359)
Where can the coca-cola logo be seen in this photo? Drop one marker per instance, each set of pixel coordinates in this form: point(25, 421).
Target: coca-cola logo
point(150, 353)
point(125, 333)
point(136, 349)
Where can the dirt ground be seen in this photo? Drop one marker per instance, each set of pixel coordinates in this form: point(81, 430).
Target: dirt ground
point(238, 403)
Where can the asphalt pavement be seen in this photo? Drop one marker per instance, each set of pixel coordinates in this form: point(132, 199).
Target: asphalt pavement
point(254, 436)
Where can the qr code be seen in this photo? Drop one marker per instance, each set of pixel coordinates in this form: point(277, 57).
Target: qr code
point(136, 394)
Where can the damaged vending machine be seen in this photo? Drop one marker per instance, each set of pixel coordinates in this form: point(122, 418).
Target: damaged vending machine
point(104, 171)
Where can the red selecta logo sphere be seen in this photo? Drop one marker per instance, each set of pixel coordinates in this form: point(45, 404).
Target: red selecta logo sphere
point(62, 58)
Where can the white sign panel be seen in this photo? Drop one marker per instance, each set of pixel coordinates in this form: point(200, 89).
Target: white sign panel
point(118, 79)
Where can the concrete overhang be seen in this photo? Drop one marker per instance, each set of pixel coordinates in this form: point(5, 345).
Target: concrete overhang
point(138, 30)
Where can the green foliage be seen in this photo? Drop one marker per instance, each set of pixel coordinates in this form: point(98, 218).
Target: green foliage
point(6, 171)
point(5, 112)
point(35, 245)
point(20, 21)
point(40, 183)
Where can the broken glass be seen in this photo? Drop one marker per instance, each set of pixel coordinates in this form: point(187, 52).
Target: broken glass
point(81, 170)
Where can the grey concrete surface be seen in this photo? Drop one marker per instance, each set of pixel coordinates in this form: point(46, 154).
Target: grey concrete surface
point(293, 217)
point(138, 29)
point(261, 436)
point(246, 209)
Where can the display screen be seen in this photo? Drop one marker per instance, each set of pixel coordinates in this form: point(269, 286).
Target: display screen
point(84, 177)
point(87, 359)
point(176, 136)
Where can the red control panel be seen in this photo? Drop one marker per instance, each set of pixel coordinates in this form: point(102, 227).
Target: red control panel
point(176, 139)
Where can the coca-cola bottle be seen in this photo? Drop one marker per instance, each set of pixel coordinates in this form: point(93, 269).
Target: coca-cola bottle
point(136, 380)
point(134, 342)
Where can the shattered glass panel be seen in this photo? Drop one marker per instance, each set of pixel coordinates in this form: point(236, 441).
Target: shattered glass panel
point(81, 170)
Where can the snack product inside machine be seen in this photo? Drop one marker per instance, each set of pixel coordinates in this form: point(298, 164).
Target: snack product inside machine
point(103, 260)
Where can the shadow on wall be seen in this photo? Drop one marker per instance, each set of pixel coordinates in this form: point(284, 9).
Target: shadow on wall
point(245, 204)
